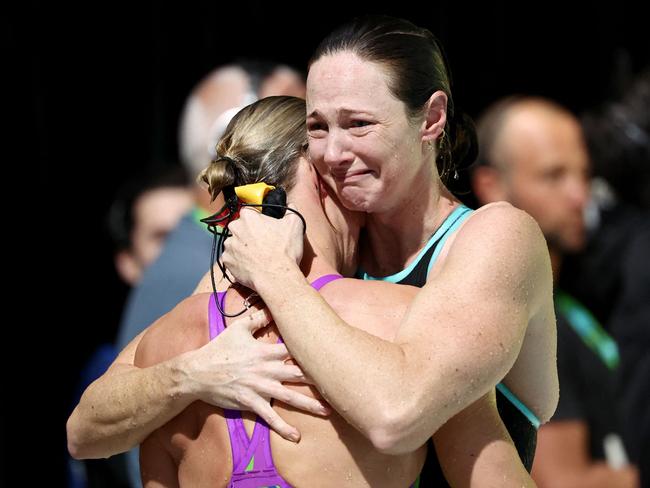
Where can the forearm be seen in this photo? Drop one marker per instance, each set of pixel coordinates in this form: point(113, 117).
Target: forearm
point(475, 449)
point(397, 394)
point(120, 409)
point(364, 378)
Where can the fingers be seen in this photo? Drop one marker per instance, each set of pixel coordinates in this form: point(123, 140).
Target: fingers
point(298, 400)
point(294, 218)
point(289, 373)
point(294, 205)
point(246, 215)
point(276, 351)
point(259, 320)
point(262, 408)
point(254, 321)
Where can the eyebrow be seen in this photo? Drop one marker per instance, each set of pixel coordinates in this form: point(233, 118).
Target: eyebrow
point(343, 111)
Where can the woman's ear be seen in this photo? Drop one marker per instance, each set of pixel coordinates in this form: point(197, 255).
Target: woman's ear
point(435, 117)
point(127, 267)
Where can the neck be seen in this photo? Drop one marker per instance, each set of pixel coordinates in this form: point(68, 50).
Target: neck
point(393, 238)
point(316, 263)
point(321, 253)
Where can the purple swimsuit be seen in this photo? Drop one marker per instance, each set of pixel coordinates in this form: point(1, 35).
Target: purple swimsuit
point(252, 460)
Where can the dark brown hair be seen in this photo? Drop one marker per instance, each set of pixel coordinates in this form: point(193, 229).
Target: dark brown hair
point(418, 68)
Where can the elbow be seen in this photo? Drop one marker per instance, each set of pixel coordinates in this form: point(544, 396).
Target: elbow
point(77, 448)
point(392, 434)
point(550, 404)
point(398, 425)
point(387, 441)
point(550, 407)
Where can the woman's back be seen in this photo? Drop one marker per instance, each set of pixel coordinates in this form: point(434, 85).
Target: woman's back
point(331, 452)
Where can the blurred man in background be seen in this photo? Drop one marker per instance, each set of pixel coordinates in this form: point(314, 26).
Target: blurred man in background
point(612, 275)
point(145, 209)
point(186, 254)
point(532, 154)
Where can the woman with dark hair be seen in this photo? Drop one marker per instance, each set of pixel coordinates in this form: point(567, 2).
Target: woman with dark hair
point(383, 133)
point(380, 136)
point(207, 446)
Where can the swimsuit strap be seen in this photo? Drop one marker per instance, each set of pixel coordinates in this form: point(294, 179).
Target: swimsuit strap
point(319, 283)
point(252, 459)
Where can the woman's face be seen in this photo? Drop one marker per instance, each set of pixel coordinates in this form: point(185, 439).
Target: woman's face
point(360, 138)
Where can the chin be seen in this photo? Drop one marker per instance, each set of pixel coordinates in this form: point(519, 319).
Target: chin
point(354, 199)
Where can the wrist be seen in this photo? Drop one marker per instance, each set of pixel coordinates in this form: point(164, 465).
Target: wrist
point(180, 386)
point(273, 279)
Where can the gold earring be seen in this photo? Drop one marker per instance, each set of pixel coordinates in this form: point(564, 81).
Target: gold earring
point(442, 139)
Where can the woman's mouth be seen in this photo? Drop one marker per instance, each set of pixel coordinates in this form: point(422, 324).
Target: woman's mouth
point(349, 176)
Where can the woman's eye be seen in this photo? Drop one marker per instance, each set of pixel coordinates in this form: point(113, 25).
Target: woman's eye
point(315, 127)
point(359, 123)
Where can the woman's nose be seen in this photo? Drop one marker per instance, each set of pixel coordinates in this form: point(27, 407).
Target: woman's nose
point(336, 150)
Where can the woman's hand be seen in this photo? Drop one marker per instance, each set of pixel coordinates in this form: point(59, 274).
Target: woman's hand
point(236, 371)
point(262, 246)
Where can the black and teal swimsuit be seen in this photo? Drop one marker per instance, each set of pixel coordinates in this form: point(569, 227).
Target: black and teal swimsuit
point(520, 421)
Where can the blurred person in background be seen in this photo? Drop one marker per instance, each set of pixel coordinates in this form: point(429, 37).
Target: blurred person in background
point(145, 209)
point(532, 153)
point(186, 255)
point(96, 427)
point(612, 274)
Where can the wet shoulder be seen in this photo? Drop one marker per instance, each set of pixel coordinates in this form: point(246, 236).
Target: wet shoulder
point(503, 216)
point(500, 228)
point(494, 230)
point(505, 243)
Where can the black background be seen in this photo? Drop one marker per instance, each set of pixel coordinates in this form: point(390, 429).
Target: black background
point(98, 89)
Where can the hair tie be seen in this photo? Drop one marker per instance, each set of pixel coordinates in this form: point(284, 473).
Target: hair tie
point(228, 159)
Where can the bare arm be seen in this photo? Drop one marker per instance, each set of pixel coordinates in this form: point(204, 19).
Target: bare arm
point(562, 460)
point(460, 337)
point(119, 409)
point(122, 407)
point(475, 449)
point(157, 466)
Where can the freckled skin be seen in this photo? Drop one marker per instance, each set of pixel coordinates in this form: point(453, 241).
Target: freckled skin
point(331, 451)
point(355, 124)
point(375, 165)
point(330, 446)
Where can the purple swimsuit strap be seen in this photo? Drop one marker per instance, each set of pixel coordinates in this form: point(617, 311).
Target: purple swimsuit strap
point(217, 325)
point(252, 459)
point(319, 283)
